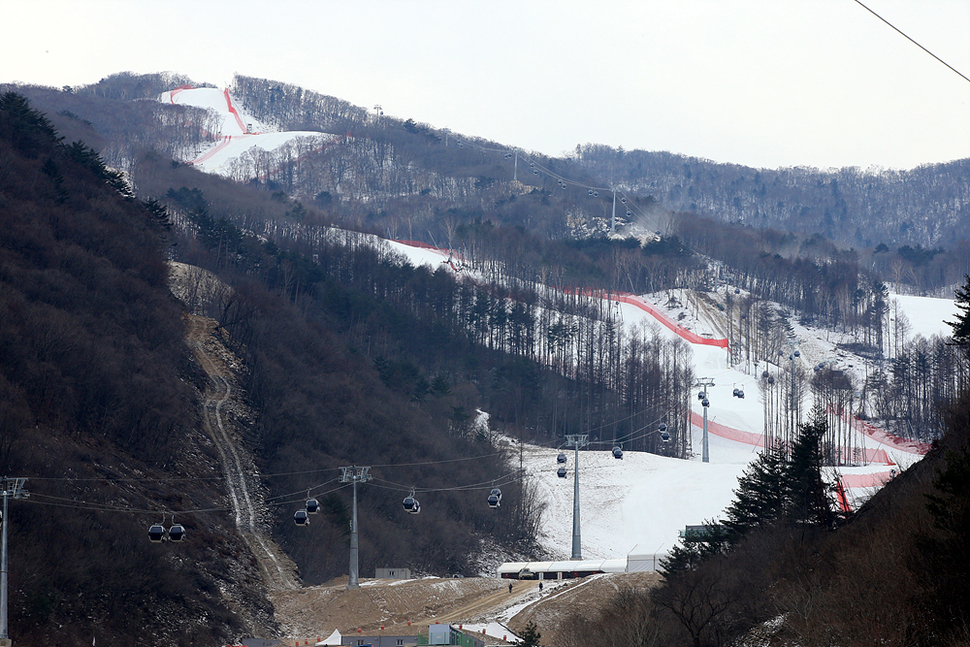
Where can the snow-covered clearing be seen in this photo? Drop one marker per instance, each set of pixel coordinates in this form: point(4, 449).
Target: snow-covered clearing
point(638, 505)
point(239, 133)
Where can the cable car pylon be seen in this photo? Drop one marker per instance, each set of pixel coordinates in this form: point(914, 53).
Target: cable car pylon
point(12, 487)
point(577, 441)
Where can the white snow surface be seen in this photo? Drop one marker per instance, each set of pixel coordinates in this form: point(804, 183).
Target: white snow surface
point(638, 505)
point(239, 132)
point(927, 316)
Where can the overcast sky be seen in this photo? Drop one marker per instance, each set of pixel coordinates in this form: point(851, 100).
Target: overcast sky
point(764, 83)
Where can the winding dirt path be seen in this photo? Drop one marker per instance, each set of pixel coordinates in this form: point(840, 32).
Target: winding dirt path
point(279, 572)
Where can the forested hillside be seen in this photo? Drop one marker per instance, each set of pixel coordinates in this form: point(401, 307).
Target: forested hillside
point(351, 356)
point(407, 180)
point(100, 412)
point(924, 208)
point(410, 180)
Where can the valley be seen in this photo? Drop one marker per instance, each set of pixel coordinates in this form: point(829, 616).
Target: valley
point(526, 315)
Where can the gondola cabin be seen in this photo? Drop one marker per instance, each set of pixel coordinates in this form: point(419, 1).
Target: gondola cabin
point(411, 505)
point(562, 472)
point(496, 492)
point(176, 532)
point(301, 518)
point(312, 506)
point(561, 458)
point(156, 533)
point(494, 501)
point(617, 453)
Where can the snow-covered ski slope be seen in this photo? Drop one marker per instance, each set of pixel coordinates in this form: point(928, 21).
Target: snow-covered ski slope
point(638, 505)
point(239, 133)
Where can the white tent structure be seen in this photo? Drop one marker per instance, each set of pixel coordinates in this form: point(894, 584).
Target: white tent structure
point(332, 639)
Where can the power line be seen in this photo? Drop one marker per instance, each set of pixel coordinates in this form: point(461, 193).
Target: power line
point(195, 479)
point(481, 485)
point(281, 499)
point(899, 31)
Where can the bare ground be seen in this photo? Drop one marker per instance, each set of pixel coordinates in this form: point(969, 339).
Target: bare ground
point(316, 611)
point(223, 408)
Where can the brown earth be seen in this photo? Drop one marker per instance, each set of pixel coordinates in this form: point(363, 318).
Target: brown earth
point(314, 612)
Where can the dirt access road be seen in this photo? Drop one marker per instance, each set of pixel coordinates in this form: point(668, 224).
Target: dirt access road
point(222, 408)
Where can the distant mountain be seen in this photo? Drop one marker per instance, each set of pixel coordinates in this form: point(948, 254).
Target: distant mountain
point(928, 206)
point(407, 180)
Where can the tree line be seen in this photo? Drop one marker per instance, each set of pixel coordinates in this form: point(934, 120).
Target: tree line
point(861, 208)
point(100, 403)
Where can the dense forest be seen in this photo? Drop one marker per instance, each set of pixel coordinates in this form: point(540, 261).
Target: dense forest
point(100, 410)
point(405, 179)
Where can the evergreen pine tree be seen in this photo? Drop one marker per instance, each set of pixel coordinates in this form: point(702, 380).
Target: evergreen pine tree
point(691, 551)
point(530, 636)
point(808, 499)
point(961, 327)
point(774, 490)
point(760, 498)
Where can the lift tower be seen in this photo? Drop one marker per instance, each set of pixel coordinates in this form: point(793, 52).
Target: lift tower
point(12, 487)
point(577, 441)
point(353, 475)
point(704, 384)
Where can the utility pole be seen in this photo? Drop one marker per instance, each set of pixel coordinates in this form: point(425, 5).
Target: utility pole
point(577, 441)
point(704, 383)
point(515, 167)
point(353, 475)
point(12, 487)
point(613, 219)
point(793, 417)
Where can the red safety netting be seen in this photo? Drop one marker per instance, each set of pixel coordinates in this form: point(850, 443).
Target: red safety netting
point(723, 431)
point(875, 479)
point(886, 438)
point(212, 151)
point(653, 311)
point(171, 95)
point(870, 456)
point(232, 109)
